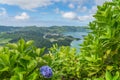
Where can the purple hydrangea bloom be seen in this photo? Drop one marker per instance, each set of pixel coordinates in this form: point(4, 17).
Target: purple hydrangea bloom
point(46, 71)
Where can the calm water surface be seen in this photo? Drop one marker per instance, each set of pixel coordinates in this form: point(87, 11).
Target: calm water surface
point(76, 43)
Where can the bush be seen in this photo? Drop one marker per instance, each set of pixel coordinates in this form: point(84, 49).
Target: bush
point(99, 57)
point(65, 63)
point(21, 61)
point(100, 49)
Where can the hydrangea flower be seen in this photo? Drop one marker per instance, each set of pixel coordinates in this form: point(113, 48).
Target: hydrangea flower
point(46, 71)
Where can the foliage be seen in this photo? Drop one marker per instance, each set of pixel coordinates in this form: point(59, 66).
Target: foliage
point(65, 63)
point(20, 61)
point(8, 28)
point(98, 60)
point(100, 49)
point(43, 36)
point(99, 57)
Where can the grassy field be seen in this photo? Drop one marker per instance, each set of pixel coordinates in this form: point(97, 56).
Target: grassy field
point(4, 41)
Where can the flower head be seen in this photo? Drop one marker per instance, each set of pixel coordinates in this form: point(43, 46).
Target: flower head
point(46, 71)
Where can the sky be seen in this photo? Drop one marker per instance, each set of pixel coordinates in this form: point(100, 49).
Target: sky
point(48, 12)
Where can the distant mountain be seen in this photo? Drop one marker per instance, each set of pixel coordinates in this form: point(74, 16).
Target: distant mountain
point(68, 28)
point(55, 29)
point(8, 28)
point(43, 36)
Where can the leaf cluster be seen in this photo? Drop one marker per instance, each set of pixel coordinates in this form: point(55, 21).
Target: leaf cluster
point(20, 61)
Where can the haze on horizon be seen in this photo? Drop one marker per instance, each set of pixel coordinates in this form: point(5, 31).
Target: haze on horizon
point(48, 12)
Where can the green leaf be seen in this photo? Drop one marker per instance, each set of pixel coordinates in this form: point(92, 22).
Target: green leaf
point(32, 76)
point(116, 76)
point(99, 78)
point(109, 68)
point(38, 51)
point(12, 45)
point(31, 64)
point(4, 69)
point(19, 70)
point(29, 43)
point(18, 76)
point(13, 59)
point(4, 59)
point(21, 45)
point(15, 77)
point(108, 75)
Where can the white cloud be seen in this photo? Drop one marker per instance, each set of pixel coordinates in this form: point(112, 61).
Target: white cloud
point(88, 12)
point(27, 4)
point(82, 9)
point(84, 15)
point(69, 15)
point(85, 18)
point(94, 7)
point(74, 16)
point(22, 16)
point(31, 4)
point(93, 10)
point(75, 1)
point(3, 12)
point(83, 2)
point(71, 6)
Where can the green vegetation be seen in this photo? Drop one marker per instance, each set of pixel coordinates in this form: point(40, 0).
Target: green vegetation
point(43, 36)
point(8, 28)
point(101, 48)
point(52, 29)
point(20, 61)
point(4, 41)
point(99, 58)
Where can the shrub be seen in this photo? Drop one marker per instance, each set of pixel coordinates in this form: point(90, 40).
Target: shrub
point(21, 61)
point(65, 63)
point(100, 49)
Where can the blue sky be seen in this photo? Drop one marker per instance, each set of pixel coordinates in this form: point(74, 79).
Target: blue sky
point(48, 12)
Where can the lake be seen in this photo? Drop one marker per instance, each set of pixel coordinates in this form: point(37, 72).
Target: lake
point(76, 43)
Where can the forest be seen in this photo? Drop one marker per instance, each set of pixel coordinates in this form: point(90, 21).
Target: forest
point(42, 36)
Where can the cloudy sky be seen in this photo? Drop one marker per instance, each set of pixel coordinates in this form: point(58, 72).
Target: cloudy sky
point(47, 12)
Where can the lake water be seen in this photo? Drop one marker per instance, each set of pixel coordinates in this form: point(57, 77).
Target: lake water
point(76, 43)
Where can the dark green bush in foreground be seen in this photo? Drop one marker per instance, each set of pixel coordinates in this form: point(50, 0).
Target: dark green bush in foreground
point(20, 61)
point(99, 58)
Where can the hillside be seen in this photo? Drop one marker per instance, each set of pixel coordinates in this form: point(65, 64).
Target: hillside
point(43, 36)
point(8, 28)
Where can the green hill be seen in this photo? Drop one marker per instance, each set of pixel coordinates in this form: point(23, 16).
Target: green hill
point(43, 36)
